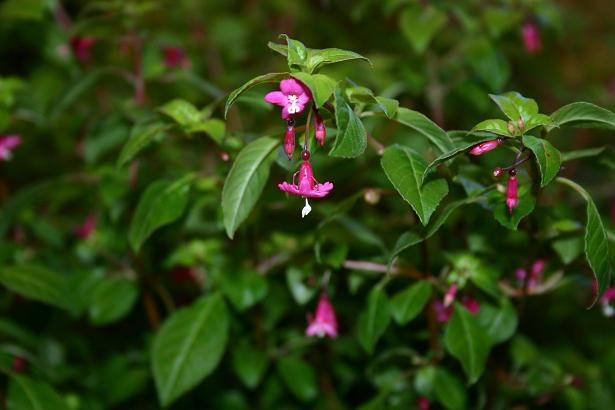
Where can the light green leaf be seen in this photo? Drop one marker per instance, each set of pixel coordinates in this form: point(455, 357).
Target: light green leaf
point(319, 58)
point(366, 96)
point(420, 24)
point(182, 112)
point(425, 127)
point(320, 85)
point(140, 137)
point(583, 115)
point(374, 320)
point(499, 322)
point(189, 346)
point(295, 279)
point(408, 303)
point(351, 139)
point(162, 203)
point(547, 156)
point(299, 377)
point(405, 168)
point(537, 120)
point(28, 394)
point(499, 127)
point(596, 241)
point(37, 283)
point(112, 299)
point(467, 342)
point(297, 53)
point(246, 181)
point(266, 78)
point(516, 106)
point(249, 364)
point(213, 127)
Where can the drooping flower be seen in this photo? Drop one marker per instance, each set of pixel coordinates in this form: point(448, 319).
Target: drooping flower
point(84, 230)
point(486, 146)
point(422, 403)
point(325, 322)
point(81, 47)
point(511, 192)
point(531, 37)
point(7, 144)
point(289, 139)
point(449, 297)
point(320, 131)
point(605, 301)
point(307, 187)
point(292, 97)
point(175, 57)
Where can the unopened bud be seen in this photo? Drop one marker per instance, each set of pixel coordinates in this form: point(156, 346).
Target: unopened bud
point(520, 123)
point(289, 141)
point(511, 191)
point(498, 171)
point(511, 128)
point(320, 131)
point(483, 147)
point(371, 196)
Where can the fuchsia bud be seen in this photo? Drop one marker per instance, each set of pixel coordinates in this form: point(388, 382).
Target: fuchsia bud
point(471, 304)
point(84, 230)
point(484, 147)
point(520, 123)
point(422, 403)
point(325, 322)
point(174, 57)
point(511, 191)
point(497, 172)
point(531, 37)
point(81, 47)
point(289, 140)
point(511, 127)
point(449, 297)
point(320, 130)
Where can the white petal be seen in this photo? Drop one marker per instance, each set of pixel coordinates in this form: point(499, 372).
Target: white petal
point(306, 209)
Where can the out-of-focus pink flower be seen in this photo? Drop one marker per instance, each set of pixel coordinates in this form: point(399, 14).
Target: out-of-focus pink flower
point(320, 130)
point(7, 144)
point(175, 57)
point(19, 364)
point(184, 274)
point(325, 322)
point(289, 140)
point(81, 47)
point(443, 313)
point(84, 230)
point(511, 192)
point(449, 297)
point(531, 37)
point(292, 97)
point(308, 187)
point(483, 147)
point(535, 274)
point(607, 308)
point(473, 305)
point(422, 403)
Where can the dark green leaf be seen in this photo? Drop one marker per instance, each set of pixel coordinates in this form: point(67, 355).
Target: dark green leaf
point(140, 137)
point(584, 115)
point(499, 322)
point(112, 299)
point(266, 78)
point(467, 342)
point(408, 303)
point(189, 346)
point(547, 156)
point(524, 207)
point(246, 181)
point(27, 394)
point(295, 279)
point(449, 390)
point(351, 139)
point(161, 203)
point(374, 320)
point(405, 168)
point(249, 364)
point(299, 377)
point(582, 153)
point(426, 127)
point(37, 283)
point(320, 85)
point(244, 289)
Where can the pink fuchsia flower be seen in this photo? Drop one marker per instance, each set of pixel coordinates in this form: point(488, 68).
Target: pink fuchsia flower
point(531, 37)
point(175, 57)
point(320, 131)
point(484, 147)
point(7, 144)
point(84, 230)
point(325, 322)
point(422, 403)
point(292, 97)
point(81, 47)
point(473, 305)
point(289, 140)
point(449, 297)
point(607, 308)
point(511, 192)
point(308, 187)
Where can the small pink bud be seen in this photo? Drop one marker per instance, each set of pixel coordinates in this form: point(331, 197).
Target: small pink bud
point(484, 147)
point(289, 141)
point(471, 304)
point(497, 172)
point(422, 403)
point(511, 192)
point(449, 297)
point(84, 230)
point(520, 123)
point(319, 126)
point(531, 37)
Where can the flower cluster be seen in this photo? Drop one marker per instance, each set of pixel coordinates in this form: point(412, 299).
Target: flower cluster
point(535, 276)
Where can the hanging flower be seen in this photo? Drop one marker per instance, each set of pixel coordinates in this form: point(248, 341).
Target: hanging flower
point(81, 47)
point(511, 192)
point(484, 147)
point(292, 97)
point(175, 57)
point(531, 37)
point(319, 126)
point(84, 230)
point(325, 322)
point(7, 144)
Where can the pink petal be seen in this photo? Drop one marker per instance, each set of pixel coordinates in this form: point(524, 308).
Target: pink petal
point(285, 113)
point(276, 97)
point(291, 86)
point(9, 142)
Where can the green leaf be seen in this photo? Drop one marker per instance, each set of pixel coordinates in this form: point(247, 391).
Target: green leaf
point(537, 120)
point(467, 342)
point(425, 127)
point(320, 85)
point(524, 207)
point(140, 137)
point(249, 364)
point(213, 127)
point(568, 248)
point(278, 48)
point(162, 203)
point(408, 303)
point(182, 112)
point(547, 156)
point(449, 390)
point(319, 58)
point(266, 78)
point(297, 53)
point(596, 241)
point(582, 153)
point(301, 292)
point(244, 289)
point(246, 181)
point(364, 95)
point(482, 275)
point(583, 115)
point(28, 394)
point(516, 106)
point(374, 320)
point(499, 127)
point(112, 299)
point(37, 283)
point(351, 139)
point(299, 377)
point(499, 322)
point(405, 168)
point(420, 24)
point(189, 346)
